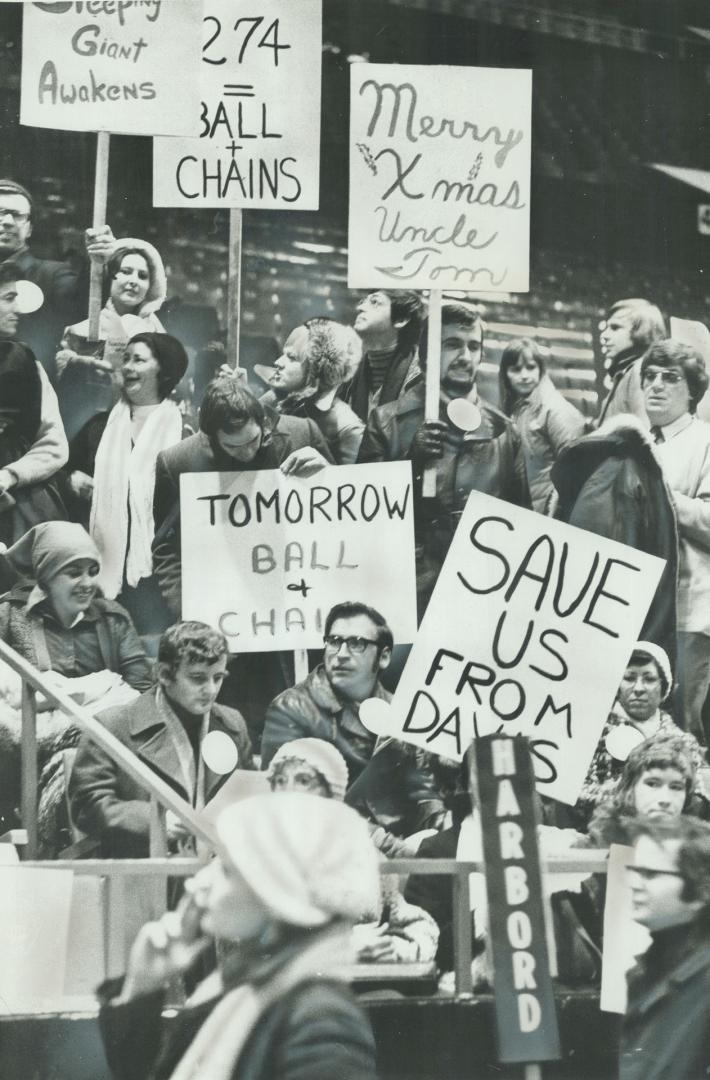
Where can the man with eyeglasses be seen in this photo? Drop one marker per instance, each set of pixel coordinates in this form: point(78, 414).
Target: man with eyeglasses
point(65, 286)
point(674, 380)
point(358, 647)
point(666, 1029)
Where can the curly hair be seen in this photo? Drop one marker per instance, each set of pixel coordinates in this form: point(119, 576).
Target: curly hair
point(331, 355)
point(693, 859)
point(192, 642)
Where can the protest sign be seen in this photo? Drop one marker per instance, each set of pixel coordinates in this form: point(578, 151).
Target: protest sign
point(35, 907)
point(126, 66)
point(439, 177)
point(525, 1006)
point(265, 556)
point(624, 939)
point(528, 631)
point(258, 139)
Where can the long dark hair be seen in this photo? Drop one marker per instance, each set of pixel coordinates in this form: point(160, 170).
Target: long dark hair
point(520, 349)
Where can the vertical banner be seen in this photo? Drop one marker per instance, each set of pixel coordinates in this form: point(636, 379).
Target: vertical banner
point(526, 1020)
point(439, 177)
point(259, 121)
point(266, 556)
point(528, 631)
point(128, 66)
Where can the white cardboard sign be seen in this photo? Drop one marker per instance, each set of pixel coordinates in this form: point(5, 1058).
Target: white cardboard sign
point(439, 177)
point(259, 120)
point(265, 556)
point(528, 632)
point(624, 939)
point(127, 66)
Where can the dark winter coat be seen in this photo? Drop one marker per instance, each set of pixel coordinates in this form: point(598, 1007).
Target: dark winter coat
point(108, 804)
point(311, 710)
point(666, 1030)
point(316, 1031)
point(197, 455)
point(610, 483)
point(491, 461)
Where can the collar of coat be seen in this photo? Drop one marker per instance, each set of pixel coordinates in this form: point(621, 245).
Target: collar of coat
point(493, 422)
point(325, 697)
point(694, 959)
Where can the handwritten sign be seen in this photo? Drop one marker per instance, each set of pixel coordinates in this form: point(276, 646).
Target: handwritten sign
point(128, 66)
point(528, 631)
point(265, 556)
point(259, 122)
point(439, 177)
point(526, 1021)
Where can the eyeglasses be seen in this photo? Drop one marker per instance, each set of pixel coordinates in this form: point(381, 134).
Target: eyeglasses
point(646, 873)
point(18, 216)
point(668, 378)
point(354, 645)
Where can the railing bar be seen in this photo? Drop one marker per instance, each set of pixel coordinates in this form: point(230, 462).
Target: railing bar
point(28, 758)
point(462, 934)
point(108, 742)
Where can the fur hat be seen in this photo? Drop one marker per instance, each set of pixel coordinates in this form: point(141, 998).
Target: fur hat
point(309, 860)
point(325, 758)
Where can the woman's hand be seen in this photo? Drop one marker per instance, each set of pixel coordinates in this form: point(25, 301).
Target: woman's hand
point(304, 462)
point(374, 944)
point(100, 244)
point(164, 949)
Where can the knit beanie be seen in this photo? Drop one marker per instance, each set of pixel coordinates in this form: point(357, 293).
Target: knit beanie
point(47, 549)
point(323, 756)
point(309, 860)
point(661, 659)
point(11, 187)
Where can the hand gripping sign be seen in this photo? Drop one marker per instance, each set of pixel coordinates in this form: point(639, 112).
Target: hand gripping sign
point(528, 631)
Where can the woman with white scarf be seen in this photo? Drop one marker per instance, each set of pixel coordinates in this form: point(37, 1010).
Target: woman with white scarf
point(142, 424)
point(294, 874)
point(88, 372)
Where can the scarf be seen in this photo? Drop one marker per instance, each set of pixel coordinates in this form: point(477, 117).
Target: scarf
point(122, 505)
point(214, 1052)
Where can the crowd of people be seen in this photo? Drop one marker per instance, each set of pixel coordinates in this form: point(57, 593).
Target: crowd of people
point(94, 437)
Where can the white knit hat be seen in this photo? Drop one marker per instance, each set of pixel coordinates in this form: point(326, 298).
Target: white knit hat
point(308, 859)
point(661, 659)
point(323, 756)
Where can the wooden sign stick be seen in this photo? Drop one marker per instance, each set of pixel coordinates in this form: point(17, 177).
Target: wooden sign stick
point(99, 218)
point(433, 380)
point(234, 287)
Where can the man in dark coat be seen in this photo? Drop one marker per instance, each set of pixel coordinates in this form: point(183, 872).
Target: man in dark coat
point(65, 286)
point(389, 322)
point(165, 728)
point(487, 458)
point(666, 1030)
point(237, 433)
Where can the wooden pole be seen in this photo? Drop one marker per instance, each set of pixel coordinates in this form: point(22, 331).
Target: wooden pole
point(300, 664)
point(234, 287)
point(99, 218)
point(28, 756)
point(433, 381)
point(533, 1071)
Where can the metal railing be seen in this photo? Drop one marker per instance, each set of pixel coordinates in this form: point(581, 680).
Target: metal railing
point(162, 796)
point(121, 875)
